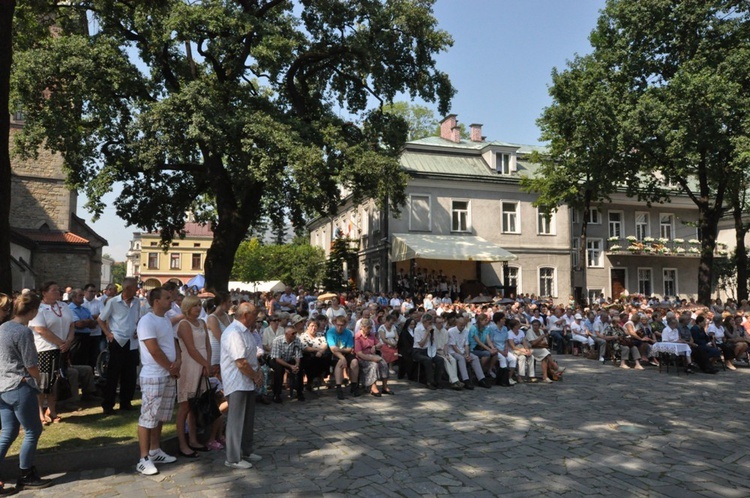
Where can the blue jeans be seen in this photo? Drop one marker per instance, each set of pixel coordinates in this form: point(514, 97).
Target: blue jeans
point(20, 407)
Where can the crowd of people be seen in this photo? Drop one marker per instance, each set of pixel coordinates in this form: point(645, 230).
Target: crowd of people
point(257, 348)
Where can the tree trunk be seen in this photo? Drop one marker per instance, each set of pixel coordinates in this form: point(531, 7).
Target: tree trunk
point(229, 233)
point(740, 258)
point(709, 219)
point(582, 262)
point(7, 10)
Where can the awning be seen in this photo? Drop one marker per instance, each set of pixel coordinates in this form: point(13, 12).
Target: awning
point(405, 246)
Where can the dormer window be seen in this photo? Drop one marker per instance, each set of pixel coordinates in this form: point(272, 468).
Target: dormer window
point(503, 163)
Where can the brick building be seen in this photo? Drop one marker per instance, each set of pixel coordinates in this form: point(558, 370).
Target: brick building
point(48, 240)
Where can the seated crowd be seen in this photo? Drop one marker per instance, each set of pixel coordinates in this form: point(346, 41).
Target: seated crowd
point(272, 344)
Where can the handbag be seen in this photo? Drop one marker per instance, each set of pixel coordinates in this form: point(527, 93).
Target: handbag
point(204, 408)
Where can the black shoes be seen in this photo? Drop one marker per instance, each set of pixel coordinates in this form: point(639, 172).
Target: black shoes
point(30, 480)
point(277, 398)
point(468, 385)
point(340, 393)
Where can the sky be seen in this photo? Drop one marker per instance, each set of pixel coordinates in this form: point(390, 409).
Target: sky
point(500, 63)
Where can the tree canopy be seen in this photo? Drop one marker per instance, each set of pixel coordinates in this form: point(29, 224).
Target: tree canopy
point(235, 110)
point(294, 264)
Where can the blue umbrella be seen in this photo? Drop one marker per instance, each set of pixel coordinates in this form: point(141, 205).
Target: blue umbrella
point(199, 281)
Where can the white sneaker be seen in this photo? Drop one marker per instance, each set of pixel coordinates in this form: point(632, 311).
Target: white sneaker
point(242, 464)
point(159, 456)
point(512, 382)
point(146, 467)
point(252, 457)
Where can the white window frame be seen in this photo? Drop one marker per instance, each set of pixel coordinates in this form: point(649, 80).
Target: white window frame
point(550, 221)
point(651, 280)
point(663, 225)
point(597, 293)
point(619, 224)
point(599, 253)
point(639, 235)
point(574, 215)
point(575, 244)
point(172, 260)
point(674, 282)
point(518, 277)
point(468, 216)
point(517, 212)
point(429, 212)
point(148, 261)
point(595, 219)
point(500, 164)
point(553, 292)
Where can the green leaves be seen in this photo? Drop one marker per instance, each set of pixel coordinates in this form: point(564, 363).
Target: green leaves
point(294, 264)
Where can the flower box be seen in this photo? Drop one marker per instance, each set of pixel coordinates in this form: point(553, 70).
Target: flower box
point(615, 248)
point(678, 241)
point(631, 238)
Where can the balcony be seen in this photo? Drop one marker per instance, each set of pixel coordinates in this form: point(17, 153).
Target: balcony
point(649, 246)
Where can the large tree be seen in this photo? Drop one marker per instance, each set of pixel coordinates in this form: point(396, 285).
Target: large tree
point(684, 65)
point(238, 110)
point(581, 165)
point(7, 10)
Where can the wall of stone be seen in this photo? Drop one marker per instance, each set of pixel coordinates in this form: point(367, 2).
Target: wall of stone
point(68, 269)
point(35, 202)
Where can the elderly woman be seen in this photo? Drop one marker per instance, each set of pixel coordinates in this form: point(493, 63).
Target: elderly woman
point(196, 364)
point(388, 335)
point(371, 366)
point(53, 334)
point(19, 378)
point(539, 343)
point(315, 354)
point(520, 348)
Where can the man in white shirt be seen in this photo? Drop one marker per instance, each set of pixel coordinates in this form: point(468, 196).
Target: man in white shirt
point(118, 321)
point(288, 301)
point(425, 351)
point(160, 360)
point(442, 340)
point(94, 305)
point(458, 345)
point(240, 375)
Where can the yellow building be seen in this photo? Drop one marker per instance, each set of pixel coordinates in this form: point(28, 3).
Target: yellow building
point(184, 259)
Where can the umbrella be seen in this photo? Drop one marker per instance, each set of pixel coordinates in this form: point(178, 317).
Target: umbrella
point(327, 296)
point(199, 281)
point(480, 300)
point(505, 300)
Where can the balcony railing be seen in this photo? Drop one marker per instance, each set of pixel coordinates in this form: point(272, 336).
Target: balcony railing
point(660, 247)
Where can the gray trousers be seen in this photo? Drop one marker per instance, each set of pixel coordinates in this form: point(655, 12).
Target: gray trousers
point(240, 425)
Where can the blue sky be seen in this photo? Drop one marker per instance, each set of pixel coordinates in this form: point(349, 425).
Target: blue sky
point(501, 61)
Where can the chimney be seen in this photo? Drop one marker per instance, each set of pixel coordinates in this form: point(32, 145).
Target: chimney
point(449, 129)
point(476, 132)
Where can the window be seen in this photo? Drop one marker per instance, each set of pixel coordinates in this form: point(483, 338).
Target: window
point(642, 225)
point(510, 217)
point(593, 295)
point(196, 261)
point(594, 253)
point(460, 216)
point(152, 244)
point(513, 277)
point(19, 116)
point(595, 216)
point(174, 261)
point(666, 226)
point(670, 282)
point(574, 215)
point(153, 261)
point(175, 244)
point(576, 245)
point(545, 223)
point(615, 224)
point(644, 281)
point(503, 164)
point(546, 282)
point(419, 213)
point(196, 244)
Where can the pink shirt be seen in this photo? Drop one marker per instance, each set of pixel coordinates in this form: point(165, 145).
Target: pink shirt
point(365, 344)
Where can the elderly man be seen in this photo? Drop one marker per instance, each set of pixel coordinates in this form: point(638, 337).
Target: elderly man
point(240, 375)
point(458, 344)
point(341, 343)
point(288, 300)
point(286, 356)
point(85, 348)
point(118, 321)
point(425, 352)
point(160, 359)
point(442, 339)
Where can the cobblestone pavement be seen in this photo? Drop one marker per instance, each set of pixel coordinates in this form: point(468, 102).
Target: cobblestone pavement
point(603, 431)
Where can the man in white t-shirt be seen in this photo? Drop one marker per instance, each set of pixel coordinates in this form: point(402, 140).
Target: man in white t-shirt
point(240, 375)
point(160, 367)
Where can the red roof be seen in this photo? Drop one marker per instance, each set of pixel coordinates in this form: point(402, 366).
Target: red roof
point(52, 237)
